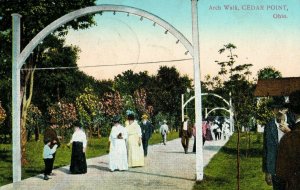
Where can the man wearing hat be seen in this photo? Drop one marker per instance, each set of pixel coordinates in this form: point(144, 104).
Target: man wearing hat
point(185, 133)
point(147, 130)
point(273, 132)
point(288, 159)
point(164, 129)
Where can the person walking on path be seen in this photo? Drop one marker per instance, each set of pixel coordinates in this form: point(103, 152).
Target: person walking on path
point(164, 129)
point(78, 159)
point(51, 135)
point(147, 130)
point(118, 150)
point(48, 156)
point(186, 133)
point(134, 143)
point(288, 160)
point(273, 133)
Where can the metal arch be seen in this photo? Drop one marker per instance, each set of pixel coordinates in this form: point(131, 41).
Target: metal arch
point(94, 9)
point(206, 94)
point(216, 95)
point(217, 108)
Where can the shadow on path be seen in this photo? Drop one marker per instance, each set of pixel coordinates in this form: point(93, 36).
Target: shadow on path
point(64, 170)
point(160, 175)
point(99, 168)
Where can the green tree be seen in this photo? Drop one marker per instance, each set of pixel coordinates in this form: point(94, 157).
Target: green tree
point(236, 82)
point(264, 114)
point(46, 12)
point(165, 94)
point(89, 106)
point(268, 73)
point(65, 114)
point(128, 82)
point(33, 122)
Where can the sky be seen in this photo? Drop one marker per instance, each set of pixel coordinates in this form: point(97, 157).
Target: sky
point(266, 33)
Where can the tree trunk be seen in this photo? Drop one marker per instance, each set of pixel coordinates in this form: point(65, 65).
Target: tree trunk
point(238, 159)
point(37, 132)
point(248, 143)
point(98, 131)
point(25, 105)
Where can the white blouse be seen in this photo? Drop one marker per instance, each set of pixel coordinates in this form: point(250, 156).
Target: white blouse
point(79, 136)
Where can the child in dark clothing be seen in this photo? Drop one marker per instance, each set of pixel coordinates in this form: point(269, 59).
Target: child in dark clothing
point(48, 157)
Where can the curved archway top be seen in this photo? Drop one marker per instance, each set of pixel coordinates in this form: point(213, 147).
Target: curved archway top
point(206, 94)
point(99, 8)
point(218, 108)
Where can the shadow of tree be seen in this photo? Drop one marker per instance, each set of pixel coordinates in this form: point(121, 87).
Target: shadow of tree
point(213, 179)
point(253, 152)
point(5, 156)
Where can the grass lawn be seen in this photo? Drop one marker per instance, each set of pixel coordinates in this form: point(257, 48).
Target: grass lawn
point(96, 147)
point(221, 171)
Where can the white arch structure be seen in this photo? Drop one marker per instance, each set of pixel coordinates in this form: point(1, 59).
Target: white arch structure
point(19, 58)
point(229, 104)
point(217, 108)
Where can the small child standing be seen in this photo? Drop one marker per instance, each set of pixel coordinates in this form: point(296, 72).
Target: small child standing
point(48, 157)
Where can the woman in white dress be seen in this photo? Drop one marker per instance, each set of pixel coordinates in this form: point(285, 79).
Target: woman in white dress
point(78, 159)
point(117, 149)
point(134, 143)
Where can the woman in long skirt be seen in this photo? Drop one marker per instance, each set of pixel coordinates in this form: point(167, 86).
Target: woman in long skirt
point(134, 143)
point(78, 159)
point(118, 150)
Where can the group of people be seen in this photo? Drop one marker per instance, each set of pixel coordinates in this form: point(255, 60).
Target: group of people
point(127, 145)
point(52, 142)
point(281, 153)
point(126, 149)
point(208, 127)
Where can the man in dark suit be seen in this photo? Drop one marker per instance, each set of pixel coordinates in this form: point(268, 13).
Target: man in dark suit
point(273, 132)
point(147, 130)
point(185, 133)
point(288, 160)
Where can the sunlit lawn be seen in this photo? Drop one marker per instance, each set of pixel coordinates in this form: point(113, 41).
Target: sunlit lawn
point(96, 147)
point(221, 172)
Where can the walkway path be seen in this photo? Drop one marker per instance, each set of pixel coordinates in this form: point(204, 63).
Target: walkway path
point(166, 167)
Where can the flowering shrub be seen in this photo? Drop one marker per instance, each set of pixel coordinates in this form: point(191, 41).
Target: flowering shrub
point(2, 114)
point(64, 114)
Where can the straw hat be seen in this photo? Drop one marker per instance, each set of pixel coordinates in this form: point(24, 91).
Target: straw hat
point(144, 116)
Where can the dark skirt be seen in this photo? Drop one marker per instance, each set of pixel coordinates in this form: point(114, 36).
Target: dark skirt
point(208, 136)
point(78, 160)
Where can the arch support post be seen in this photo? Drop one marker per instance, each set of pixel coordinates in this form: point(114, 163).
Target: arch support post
point(197, 83)
point(16, 97)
